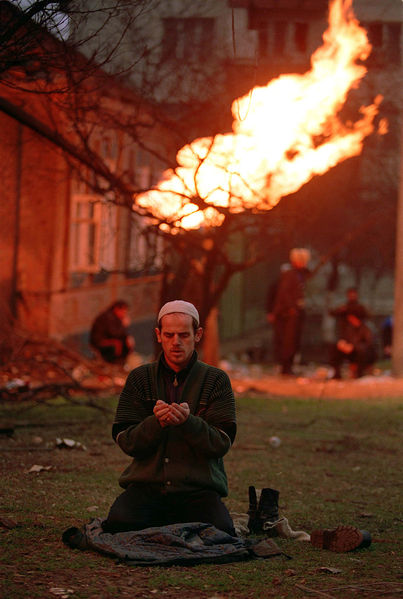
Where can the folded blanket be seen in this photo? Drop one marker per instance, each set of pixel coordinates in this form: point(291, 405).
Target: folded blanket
point(176, 544)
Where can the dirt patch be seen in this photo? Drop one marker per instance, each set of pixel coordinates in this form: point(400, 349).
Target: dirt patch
point(304, 386)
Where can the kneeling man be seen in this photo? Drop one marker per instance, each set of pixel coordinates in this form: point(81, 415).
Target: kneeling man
point(176, 419)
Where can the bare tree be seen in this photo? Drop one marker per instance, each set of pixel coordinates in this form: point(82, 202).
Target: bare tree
point(62, 55)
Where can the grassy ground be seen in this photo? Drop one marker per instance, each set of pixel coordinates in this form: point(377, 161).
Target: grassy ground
point(338, 462)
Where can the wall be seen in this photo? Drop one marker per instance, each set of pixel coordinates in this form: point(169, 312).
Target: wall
point(9, 207)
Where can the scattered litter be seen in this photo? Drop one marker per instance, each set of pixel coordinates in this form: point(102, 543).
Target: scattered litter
point(329, 570)
point(69, 444)
point(302, 380)
point(41, 367)
point(60, 592)
point(322, 373)
point(37, 440)
point(16, 385)
point(92, 508)
point(80, 372)
point(275, 441)
point(382, 378)
point(39, 468)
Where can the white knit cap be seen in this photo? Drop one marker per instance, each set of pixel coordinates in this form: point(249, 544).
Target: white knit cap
point(179, 306)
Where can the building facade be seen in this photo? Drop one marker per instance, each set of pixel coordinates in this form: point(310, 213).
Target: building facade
point(70, 244)
point(68, 251)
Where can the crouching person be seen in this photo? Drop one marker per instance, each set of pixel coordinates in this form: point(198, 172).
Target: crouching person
point(176, 419)
point(356, 345)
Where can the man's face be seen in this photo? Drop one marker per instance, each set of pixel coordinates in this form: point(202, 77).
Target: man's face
point(178, 339)
point(122, 313)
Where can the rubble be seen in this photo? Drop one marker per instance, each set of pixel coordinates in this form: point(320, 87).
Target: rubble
point(69, 444)
point(44, 368)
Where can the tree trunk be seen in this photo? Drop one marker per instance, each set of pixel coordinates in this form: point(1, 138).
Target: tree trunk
point(397, 345)
point(211, 354)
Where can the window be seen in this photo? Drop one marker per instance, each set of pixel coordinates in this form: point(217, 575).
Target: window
point(144, 249)
point(93, 234)
point(393, 42)
point(301, 37)
point(385, 41)
point(375, 34)
point(84, 233)
point(108, 236)
point(187, 38)
point(263, 43)
point(280, 37)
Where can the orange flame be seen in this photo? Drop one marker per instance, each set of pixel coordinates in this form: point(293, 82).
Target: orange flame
point(273, 149)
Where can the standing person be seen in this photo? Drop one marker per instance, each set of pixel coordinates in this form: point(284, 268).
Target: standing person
point(270, 299)
point(176, 419)
point(288, 310)
point(109, 333)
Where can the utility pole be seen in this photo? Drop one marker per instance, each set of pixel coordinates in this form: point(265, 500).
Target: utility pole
point(397, 346)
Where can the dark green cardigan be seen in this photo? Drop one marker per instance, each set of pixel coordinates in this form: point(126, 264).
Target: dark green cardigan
point(179, 458)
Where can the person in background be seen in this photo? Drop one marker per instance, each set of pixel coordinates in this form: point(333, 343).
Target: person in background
point(355, 343)
point(387, 336)
point(288, 310)
point(176, 420)
point(351, 304)
point(109, 333)
point(270, 299)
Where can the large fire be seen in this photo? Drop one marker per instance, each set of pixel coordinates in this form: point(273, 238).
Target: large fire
point(283, 134)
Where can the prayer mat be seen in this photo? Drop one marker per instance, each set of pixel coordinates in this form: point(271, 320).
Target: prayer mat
point(175, 544)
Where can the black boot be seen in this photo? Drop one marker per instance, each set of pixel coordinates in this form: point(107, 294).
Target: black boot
point(252, 511)
point(266, 511)
point(268, 505)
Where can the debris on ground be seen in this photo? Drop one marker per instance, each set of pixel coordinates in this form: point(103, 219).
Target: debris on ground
point(38, 468)
point(44, 368)
point(69, 444)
